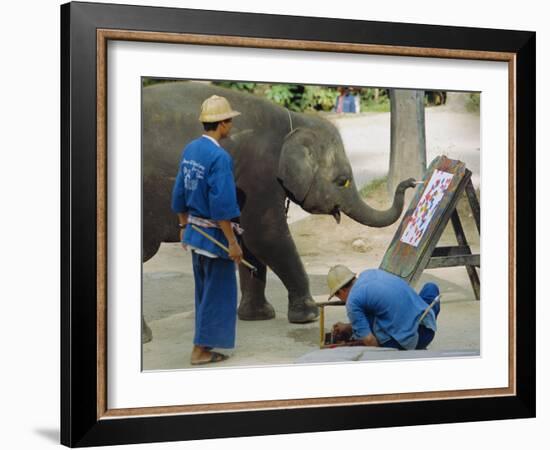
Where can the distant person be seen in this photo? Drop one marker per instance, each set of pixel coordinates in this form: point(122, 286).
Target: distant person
point(357, 99)
point(204, 195)
point(384, 311)
point(345, 102)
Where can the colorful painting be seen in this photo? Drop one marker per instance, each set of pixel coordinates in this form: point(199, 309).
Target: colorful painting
point(427, 206)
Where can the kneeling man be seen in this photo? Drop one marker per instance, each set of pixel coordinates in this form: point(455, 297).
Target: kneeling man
point(383, 310)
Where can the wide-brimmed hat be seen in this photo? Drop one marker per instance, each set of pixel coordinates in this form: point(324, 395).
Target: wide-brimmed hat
point(216, 109)
point(338, 276)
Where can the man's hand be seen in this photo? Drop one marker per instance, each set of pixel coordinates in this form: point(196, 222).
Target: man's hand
point(235, 252)
point(371, 341)
point(368, 341)
point(341, 331)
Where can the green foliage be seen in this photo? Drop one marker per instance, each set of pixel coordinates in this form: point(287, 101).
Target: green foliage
point(284, 95)
point(474, 99)
point(375, 100)
point(297, 97)
point(318, 98)
point(373, 186)
point(382, 105)
point(434, 98)
point(238, 86)
point(150, 81)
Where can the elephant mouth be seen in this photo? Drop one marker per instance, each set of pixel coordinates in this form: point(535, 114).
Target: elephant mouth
point(336, 214)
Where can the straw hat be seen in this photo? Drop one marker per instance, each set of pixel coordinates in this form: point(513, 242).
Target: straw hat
point(216, 109)
point(338, 276)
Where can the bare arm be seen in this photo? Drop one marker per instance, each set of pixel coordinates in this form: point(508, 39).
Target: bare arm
point(369, 341)
point(235, 252)
point(341, 328)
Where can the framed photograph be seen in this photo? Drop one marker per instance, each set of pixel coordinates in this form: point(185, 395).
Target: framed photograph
point(299, 132)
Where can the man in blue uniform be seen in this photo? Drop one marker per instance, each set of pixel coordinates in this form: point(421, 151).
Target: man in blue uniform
point(204, 195)
point(384, 310)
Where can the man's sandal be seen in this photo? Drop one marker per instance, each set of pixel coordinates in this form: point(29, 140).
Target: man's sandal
point(214, 358)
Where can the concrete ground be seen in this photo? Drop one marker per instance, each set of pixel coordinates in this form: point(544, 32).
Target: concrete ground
point(169, 310)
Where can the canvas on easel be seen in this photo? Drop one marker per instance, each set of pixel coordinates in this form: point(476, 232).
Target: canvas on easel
point(414, 245)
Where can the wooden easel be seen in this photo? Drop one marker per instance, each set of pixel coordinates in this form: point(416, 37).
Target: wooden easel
point(453, 256)
point(431, 256)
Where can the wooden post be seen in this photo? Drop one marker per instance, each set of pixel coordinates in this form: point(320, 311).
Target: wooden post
point(461, 239)
point(474, 202)
point(407, 137)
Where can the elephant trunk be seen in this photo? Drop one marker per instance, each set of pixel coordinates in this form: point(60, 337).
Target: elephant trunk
point(359, 211)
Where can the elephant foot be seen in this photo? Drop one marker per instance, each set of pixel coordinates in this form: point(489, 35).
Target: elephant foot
point(255, 311)
point(303, 311)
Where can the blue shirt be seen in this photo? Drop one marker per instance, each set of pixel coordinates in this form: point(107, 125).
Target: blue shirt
point(345, 104)
point(205, 188)
point(385, 305)
point(349, 104)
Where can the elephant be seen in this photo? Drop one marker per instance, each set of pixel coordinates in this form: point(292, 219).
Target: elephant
point(277, 154)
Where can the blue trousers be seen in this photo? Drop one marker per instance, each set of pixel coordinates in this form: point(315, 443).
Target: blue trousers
point(425, 335)
point(215, 301)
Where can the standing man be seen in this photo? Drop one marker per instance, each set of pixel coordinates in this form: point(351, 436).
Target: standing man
point(205, 195)
point(345, 102)
point(384, 311)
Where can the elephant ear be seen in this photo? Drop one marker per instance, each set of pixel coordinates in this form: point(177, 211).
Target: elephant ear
point(297, 165)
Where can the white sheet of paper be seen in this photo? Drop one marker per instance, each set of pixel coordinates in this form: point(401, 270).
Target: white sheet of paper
point(427, 205)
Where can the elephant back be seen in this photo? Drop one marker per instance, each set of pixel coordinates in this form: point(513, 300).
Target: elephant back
point(171, 112)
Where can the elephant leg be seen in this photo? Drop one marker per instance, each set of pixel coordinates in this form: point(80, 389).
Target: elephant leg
point(146, 333)
point(273, 245)
point(282, 257)
point(253, 304)
point(150, 248)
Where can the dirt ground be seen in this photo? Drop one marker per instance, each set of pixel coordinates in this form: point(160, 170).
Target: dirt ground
point(168, 281)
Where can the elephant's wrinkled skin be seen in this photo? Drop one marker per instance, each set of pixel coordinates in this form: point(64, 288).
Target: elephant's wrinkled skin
point(276, 154)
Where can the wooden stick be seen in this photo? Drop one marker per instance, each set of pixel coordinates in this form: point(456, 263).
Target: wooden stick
point(427, 310)
point(331, 303)
point(219, 244)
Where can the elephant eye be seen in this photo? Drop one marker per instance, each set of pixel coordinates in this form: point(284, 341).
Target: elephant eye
point(343, 181)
